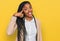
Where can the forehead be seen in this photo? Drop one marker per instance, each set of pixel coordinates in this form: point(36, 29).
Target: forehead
point(26, 5)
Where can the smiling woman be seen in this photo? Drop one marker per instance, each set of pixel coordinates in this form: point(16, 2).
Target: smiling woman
point(27, 25)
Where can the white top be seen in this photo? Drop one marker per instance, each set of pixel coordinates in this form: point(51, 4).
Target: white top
point(31, 30)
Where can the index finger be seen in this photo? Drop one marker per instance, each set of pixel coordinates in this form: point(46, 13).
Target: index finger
point(22, 10)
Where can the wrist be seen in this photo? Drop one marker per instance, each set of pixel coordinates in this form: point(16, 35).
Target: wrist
point(14, 15)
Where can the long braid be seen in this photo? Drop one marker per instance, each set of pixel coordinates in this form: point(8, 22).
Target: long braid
point(21, 26)
point(20, 22)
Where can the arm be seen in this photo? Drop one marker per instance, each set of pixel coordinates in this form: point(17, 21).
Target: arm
point(12, 26)
point(40, 34)
point(39, 37)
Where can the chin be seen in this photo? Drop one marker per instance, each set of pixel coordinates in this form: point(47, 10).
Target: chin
point(30, 16)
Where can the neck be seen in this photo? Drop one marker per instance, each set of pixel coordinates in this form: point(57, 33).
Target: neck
point(29, 18)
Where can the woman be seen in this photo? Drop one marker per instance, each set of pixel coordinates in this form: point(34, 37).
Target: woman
point(26, 24)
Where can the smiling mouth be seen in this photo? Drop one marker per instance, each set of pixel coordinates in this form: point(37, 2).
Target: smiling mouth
point(30, 13)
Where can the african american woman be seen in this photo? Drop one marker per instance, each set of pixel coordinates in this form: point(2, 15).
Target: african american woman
point(29, 28)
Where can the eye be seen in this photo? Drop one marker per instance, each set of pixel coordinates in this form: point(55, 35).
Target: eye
point(25, 9)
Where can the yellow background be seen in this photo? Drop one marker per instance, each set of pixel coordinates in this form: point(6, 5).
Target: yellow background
point(47, 11)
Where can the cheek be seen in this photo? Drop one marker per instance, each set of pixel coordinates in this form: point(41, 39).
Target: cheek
point(25, 11)
point(31, 10)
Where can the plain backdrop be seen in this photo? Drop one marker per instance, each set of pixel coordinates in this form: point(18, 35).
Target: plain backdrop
point(47, 11)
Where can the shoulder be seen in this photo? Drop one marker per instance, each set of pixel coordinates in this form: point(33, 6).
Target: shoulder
point(38, 20)
point(13, 18)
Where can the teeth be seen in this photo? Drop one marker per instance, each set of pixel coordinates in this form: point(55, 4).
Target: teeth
point(29, 13)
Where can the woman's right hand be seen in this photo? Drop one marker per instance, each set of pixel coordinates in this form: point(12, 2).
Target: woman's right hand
point(19, 14)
